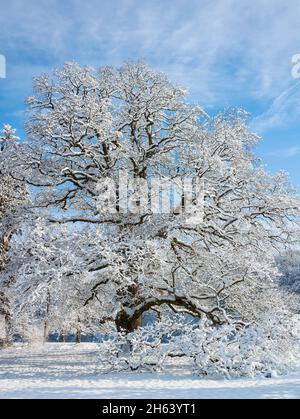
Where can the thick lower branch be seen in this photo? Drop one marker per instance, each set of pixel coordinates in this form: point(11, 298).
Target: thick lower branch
point(129, 319)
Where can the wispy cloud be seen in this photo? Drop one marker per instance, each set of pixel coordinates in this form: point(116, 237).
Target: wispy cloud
point(285, 152)
point(284, 110)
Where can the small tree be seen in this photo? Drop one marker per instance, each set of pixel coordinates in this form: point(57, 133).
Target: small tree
point(12, 200)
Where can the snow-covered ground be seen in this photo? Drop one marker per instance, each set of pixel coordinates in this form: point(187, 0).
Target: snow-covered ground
point(69, 371)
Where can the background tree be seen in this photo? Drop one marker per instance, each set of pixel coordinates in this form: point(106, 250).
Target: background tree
point(13, 196)
point(289, 267)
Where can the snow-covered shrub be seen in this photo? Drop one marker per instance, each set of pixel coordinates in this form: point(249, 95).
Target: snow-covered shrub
point(143, 349)
point(231, 350)
point(228, 351)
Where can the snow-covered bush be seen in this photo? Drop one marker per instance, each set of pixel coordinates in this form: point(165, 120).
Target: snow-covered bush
point(227, 351)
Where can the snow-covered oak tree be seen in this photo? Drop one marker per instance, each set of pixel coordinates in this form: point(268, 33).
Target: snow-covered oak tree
point(86, 126)
point(13, 196)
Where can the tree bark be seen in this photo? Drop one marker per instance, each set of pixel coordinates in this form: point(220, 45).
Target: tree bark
point(126, 323)
point(47, 314)
point(129, 320)
point(5, 312)
point(7, 339)
point(78, 336)
point(45, 331)
point(63, 337)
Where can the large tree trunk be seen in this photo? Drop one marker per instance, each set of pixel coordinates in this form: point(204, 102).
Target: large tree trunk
point(126, 323)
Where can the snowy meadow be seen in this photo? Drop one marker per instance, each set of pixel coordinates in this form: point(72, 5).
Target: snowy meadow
point(61, 371)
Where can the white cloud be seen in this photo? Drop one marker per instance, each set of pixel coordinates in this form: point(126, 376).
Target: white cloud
point(285, 152)
point(283, 111)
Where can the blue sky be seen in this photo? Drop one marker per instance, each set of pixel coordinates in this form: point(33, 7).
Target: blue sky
point(228, 53)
